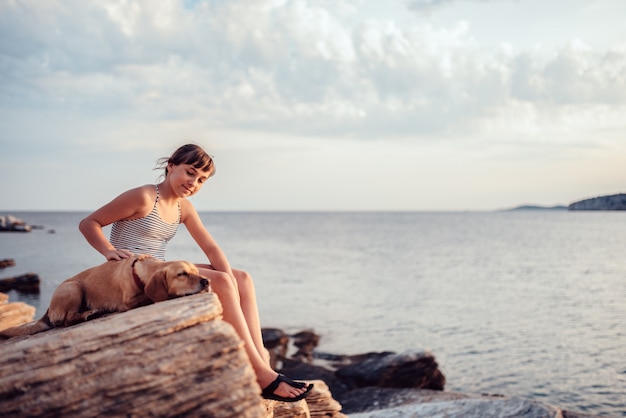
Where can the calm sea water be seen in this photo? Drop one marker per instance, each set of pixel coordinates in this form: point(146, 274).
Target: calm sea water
point(515, 303)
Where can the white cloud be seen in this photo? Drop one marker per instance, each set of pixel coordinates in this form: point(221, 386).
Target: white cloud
point(427, 6)
point(284, 66)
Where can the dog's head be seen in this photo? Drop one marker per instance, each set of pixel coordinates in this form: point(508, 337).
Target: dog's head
point(174, 279)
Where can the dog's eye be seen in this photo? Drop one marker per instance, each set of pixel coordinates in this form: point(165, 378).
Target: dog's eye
point(184, 273)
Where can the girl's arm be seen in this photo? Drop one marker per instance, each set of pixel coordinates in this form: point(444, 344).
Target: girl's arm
point(203, 238)
point(128, 205)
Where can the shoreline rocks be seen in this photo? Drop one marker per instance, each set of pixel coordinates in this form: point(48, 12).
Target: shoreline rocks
point(9, 223)
point(24, 283)
point(395, 385)
point(135, 362)
point(405, 403)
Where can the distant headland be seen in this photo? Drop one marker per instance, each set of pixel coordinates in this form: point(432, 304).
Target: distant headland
point(609, 202)
point(538, 207)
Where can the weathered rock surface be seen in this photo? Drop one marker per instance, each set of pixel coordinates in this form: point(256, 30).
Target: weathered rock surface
point(319, 403)
point(175, 358)
point(14, 313)
point(611, 202)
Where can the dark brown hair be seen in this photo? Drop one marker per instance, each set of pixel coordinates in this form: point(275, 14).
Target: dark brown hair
point(191, 154)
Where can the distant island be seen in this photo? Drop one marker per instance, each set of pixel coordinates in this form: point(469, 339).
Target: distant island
point(610, 202)
point(538, 207)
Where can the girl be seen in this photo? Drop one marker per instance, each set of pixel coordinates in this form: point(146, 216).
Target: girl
point(145, 218)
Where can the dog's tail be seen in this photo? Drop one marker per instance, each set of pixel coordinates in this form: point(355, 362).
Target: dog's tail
point(40, 325)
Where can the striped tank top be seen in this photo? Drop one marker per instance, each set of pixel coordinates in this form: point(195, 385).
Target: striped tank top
point(147, 235)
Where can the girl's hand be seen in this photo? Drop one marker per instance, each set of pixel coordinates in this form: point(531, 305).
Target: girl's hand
point(117, 255)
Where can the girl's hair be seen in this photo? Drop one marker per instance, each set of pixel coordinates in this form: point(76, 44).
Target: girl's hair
point(191, 154)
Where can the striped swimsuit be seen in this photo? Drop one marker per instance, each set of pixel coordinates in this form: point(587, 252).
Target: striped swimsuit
point(147, 235)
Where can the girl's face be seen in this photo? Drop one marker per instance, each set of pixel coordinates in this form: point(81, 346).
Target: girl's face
point(186, 179)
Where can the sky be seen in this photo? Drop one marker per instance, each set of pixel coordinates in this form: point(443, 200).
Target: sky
point(315, 105)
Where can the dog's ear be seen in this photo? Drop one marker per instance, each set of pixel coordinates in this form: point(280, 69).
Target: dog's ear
point(156, 288)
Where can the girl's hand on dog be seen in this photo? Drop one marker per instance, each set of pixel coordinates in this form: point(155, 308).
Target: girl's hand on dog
point(117, 255)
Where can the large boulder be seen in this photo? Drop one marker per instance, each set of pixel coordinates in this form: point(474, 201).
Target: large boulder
point(175, 358)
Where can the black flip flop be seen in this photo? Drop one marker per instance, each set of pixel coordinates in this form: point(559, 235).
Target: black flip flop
point(268, 392)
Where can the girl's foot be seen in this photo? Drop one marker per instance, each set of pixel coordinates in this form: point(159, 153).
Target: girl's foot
point(286, 390)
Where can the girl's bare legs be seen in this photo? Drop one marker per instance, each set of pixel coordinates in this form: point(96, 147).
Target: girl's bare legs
point(237, 308)
point(248, 303)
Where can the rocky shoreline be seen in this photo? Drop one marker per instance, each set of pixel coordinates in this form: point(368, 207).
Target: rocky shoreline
point(374, 384)
point(394, 385)
point(379, 384)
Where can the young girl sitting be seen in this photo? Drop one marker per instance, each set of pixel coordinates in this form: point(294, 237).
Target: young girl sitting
point(144, 220)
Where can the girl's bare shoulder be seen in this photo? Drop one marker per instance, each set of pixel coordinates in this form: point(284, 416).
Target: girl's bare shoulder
point(139, 199)
point(147, 191)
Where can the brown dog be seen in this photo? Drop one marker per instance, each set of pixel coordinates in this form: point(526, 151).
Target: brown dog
point(115, 286)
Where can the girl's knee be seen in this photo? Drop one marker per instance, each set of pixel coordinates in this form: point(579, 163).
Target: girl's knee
point(217, 278)
point(243, 278)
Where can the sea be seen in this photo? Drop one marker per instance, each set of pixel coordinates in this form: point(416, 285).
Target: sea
point(517, 303)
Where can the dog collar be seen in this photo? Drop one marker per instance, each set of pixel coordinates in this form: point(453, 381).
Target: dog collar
point(138, 281)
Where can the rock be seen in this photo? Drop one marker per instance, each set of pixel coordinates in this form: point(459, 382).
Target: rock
point(306, 371)
point(318, 404)
point(14, 314)
point(343, 373)
point(407, 403)
point(9, 223)
point(389, 402)
point(374, 398)
point(416, 369)
point(277, 409)
point(611, 202)
point(7, 262)
point(27, 283)
point(306, 341)
point(321, 402)
point(368, 385)
point(468, 407)
point(277, 343)
point(176, 357)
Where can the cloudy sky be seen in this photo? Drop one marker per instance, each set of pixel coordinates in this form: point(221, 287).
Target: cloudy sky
point(315, 104)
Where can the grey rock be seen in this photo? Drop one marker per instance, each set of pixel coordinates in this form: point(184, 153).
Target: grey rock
point(479, 407)
point(416, 369)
